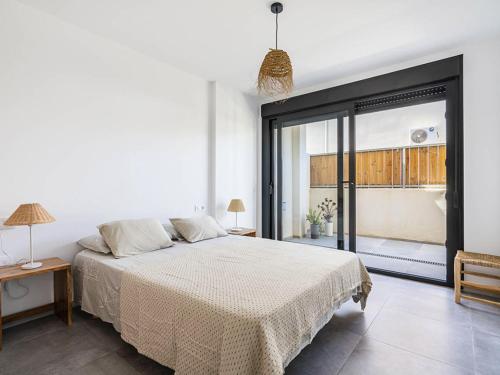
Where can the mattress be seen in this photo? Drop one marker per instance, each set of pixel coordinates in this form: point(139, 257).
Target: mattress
point(222, 306)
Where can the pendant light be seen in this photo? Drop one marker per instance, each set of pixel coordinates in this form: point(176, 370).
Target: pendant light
point(276, 73)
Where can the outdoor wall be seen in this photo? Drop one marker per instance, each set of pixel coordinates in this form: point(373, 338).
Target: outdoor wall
point(295, 180)
point(376, 130)
point(410, 214)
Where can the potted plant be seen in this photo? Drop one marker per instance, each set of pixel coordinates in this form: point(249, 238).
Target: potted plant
point(314, 218)
point(328, 208)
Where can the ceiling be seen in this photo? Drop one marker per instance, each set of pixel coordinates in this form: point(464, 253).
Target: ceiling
point(226, 40)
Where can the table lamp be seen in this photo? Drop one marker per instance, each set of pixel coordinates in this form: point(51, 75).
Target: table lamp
point(29, 214)
point(236, 205)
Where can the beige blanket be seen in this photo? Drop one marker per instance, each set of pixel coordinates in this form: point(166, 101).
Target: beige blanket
point(236, 305)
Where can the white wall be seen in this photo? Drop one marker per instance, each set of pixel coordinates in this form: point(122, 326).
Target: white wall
point(235, 171)
point(96, 132)
point(481, 151)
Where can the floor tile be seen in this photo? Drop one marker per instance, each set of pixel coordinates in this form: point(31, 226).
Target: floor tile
point(350, 316)
point(480, 307)
point(447, 342)
point(435, 253)
point(376, 358)
point(410, 287)
point(30, 330)
point(105, 334)
point(425, 305)
point(57, 352)
point(487, 352)
point(110, 364)
point(326, 354)
point(368, 242)
point(140, 363)
point(486, 321)
point(399, 245)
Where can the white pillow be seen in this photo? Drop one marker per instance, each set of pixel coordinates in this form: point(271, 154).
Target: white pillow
point(198, 228)
point(132, 237)
point(172, 232)
point(95, 243)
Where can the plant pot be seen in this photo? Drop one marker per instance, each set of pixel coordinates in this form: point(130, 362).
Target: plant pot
point(314, 231)
point(329, 229)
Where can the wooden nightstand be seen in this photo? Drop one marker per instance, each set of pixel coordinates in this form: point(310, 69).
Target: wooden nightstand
point(248, 232)
point(63, 290)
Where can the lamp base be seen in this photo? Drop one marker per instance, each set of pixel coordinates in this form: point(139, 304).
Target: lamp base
point(30, 266)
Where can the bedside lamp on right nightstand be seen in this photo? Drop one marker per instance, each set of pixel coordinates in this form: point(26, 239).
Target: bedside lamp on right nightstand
point(236, 205)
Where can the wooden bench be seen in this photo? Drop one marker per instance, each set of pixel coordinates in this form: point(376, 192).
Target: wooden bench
point(476, 259)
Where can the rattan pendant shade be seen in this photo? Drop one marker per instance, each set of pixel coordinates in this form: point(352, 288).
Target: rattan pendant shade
point(276, 72)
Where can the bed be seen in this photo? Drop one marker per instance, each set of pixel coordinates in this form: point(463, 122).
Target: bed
point(229, 305)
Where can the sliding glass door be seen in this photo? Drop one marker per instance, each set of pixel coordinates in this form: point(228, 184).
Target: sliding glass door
point(387, 154)
point(312, 175)
point(372, 179)
point(401, 189)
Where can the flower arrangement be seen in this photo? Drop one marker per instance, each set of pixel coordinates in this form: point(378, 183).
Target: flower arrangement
point(327, 208)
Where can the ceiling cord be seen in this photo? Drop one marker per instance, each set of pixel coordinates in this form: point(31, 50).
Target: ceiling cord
point(276, 30)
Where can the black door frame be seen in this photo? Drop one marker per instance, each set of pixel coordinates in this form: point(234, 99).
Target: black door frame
point(297, 119)
point(446, 73)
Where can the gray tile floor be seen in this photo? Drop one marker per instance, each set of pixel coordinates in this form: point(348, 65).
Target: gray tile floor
point(407, 328)
point(409, 257)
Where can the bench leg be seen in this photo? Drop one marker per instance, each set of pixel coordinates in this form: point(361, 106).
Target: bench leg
point(458, 280)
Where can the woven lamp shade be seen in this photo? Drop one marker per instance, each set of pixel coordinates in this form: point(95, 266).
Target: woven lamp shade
point(28, 214)
point(236, 205)
point(276, 74)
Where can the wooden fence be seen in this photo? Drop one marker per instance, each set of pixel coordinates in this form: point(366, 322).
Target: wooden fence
point(398, 167)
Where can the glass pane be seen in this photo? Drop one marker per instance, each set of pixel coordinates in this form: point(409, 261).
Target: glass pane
point(346, 183)
point(401, 185)
point(309, 183)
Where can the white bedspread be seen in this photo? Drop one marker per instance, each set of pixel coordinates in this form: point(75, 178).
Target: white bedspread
point(97, 279)
point(236, 305)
